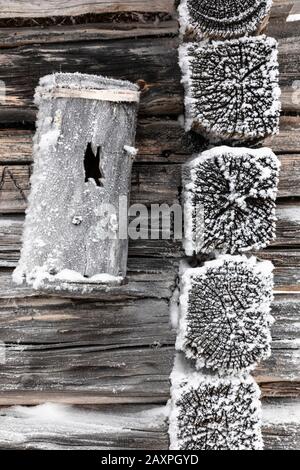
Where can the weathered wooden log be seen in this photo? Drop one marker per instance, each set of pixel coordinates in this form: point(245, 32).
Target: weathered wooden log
point(116, 349)
point(229, 200)
point(223, 19)
point(54, 426)
point(231, 87)
point(288, 235)
point(83, 154)
point(225, 314)
point(161, 93)
point(51, 8)
point(209, 413)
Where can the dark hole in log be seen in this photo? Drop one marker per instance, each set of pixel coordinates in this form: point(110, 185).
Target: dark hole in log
point(92, 165)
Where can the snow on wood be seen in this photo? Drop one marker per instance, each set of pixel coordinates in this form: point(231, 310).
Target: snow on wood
point(229, 197)
point(231, 88)
point(225, 313)
point(223, 18)
point(54, 426)
point(211, 413)
point(82, 166)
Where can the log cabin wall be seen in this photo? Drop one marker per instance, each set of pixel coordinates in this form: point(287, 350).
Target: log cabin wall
point(111, 354)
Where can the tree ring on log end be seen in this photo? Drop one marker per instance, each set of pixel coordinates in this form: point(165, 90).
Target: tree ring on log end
point(229, 197)
point(208, 413)
point(223, 18)
point(225, 314)
point(231, 88)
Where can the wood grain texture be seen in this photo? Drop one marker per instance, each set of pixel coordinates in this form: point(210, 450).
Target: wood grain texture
point(51, 8)
point(126, 59)
point(161, 140)
point(123, 427)
point(153, 183)
point(48, 8)
point(115, 350)
point(14, 37)
point(288, 235)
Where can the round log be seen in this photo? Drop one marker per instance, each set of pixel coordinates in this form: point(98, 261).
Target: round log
point(225, 314)
point(231, 88)
point(229, 197)
point(83, 153)
point(223, 18)
point(214, 414)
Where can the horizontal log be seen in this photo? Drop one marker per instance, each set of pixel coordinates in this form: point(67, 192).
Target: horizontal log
point(155, 68)
point(163, 141)
point(119, 351)
point(74, 428)
point(146, 278)
point(52, 8)
point(288, 139)
point(156, 183)
point(286, 274)
point(62, 427)
point(18, 36)
point(288, 235)
point(281, 419)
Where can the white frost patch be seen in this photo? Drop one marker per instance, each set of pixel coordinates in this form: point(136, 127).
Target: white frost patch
point(34, 425)
point(132, 151)
point(174, 309)
point(69, 275)
point(286, 413)
point(293, 17)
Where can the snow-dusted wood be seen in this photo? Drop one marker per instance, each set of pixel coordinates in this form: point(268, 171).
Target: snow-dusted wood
point(231, 88)
point(83, 153)
point(52, 426)
point(223, 18)
point(225, 313)
point(230, 200)
point(209, 413)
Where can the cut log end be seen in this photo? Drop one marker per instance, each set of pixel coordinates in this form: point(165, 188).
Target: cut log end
point(223, 19)
point(225, 314)
point(232, 90)
point(230, 197)
point(215, 414)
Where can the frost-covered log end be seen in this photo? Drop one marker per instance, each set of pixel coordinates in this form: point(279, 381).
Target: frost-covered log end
point(214, 414)
point(225, 314)
point(223, 19)
point(231, 88)
point(229, 197)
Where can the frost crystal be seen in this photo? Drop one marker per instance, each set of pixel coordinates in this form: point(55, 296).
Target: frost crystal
point(231, 88)
point(222, 18)
point(215, 414)
point(229, 197)
point(225, 313)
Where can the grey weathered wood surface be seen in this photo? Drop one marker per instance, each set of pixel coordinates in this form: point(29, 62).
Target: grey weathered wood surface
point(46, 8)
point(122, 427)
point(117, 347)
point(71, 188)
point(161, 93)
